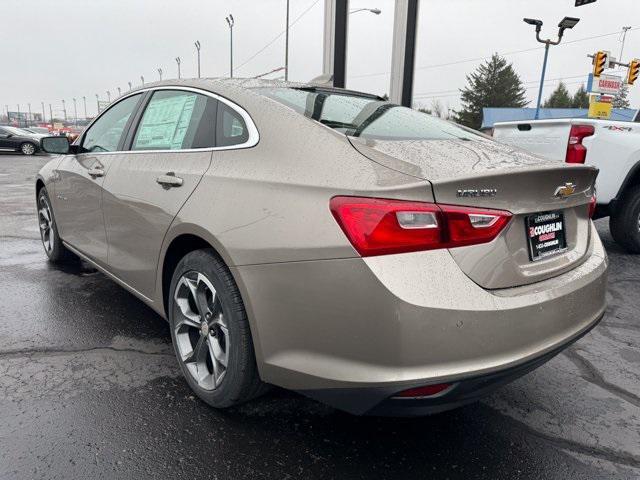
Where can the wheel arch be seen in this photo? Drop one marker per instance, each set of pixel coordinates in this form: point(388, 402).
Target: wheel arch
point(632, 179)
point(185, 238)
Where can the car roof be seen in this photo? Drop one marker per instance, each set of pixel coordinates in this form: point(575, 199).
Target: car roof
point(228, 86)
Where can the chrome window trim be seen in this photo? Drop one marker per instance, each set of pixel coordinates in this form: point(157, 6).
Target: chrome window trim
point(252, 141)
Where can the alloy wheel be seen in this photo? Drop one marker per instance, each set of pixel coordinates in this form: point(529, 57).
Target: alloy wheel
point(28, 149)
point(45, 220)
point(202, 336)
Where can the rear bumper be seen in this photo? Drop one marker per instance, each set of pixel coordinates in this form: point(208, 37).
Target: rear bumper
point(354, 332)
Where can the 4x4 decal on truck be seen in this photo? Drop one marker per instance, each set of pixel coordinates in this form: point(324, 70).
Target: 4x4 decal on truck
point(617, 128)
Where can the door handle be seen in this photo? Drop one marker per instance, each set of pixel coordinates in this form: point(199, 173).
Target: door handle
point(96, 172)
point(169, 180)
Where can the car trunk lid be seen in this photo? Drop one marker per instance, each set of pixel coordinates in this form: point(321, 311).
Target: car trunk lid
point(539, 193)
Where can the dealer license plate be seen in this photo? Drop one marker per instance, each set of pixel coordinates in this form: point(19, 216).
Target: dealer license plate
point(545, 234)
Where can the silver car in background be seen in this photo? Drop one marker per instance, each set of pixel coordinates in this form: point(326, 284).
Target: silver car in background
point(327, 241)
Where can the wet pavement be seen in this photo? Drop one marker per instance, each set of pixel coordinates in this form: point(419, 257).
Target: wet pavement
point(89, 388)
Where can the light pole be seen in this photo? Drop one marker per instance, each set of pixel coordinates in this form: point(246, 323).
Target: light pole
point(98, 103)
point(231, 23)
point(64, 110)
point(44, 115)
point(142, 79)
point(178, 61)
point(19, 123)
point(108, 96)
point(160, 73)
point(375, 11)
point(84, 101)
point(29, 117)
point(51, 115)
point(286, 47)
point(75, 112)
point(129, 83)
point(119, 91)
point(197, 44)
point(566, 23)
point(624, 38)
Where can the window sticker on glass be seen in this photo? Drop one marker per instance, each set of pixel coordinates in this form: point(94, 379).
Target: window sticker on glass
point(165, 121)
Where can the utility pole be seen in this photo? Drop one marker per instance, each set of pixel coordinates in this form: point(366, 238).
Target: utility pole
point(108, 96)
point(84, 101)
point(129, 85)
point(142, 79)
point(624, 38)
point(566, 23)
point(44, 116)
point(286, 47)
point(160, 73)
point(197, 44)
point(98, 104)
point(64, 110)
point(231, 23)
point(75, 112)
point(119, 91)
point(178, 62)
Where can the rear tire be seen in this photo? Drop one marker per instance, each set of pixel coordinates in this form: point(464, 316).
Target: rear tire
point(51, 241)
point(625, 221)
point(210, 331)
point(28, 148)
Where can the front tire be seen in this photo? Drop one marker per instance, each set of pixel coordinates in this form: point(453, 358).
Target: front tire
point(210, 331)
point(625, 221)
point(51, 241)
point(28, 148)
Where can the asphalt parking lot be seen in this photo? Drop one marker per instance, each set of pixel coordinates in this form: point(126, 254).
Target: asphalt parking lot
point(89, 388)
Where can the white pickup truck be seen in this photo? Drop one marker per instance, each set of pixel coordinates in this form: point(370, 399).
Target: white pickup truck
point(613, 147)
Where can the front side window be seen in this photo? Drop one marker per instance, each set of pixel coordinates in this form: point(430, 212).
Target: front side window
point(367, 117)
point(177, 120)
point(107, 131)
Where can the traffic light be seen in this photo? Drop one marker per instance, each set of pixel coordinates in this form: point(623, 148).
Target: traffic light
point(600, 62)
point(634, 71)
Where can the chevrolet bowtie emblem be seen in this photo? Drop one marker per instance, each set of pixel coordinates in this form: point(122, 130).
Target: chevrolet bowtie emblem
point(563, 191)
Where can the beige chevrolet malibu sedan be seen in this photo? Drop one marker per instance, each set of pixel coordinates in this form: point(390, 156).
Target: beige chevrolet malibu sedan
point(327, 241)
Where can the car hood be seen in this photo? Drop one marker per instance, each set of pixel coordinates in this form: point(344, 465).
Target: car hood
point(446, 159)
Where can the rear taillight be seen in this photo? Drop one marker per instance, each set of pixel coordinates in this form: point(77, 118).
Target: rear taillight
point(376, 226)
point(592, 206)
point(576, 151)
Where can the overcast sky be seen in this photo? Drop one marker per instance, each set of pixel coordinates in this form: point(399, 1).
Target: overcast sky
point(54, 50)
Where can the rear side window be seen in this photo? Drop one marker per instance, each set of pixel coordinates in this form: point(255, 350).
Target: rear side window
point(177, 120)
point(106, 132)
point(231, 129)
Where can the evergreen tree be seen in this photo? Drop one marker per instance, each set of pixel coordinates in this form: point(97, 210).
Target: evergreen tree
point(621, 100)
point(493, 84)
point(580, 98)
point(560, 98)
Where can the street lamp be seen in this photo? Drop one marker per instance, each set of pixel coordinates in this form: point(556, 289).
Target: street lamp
point(178, 61)
point(197, 44)
point(160, 73)
point(231, 23)
point(44, 115)
point(64, 110)
point(129, 83)
point(119, 91)
point(29, 118)
point(375, 11)
point(108, 96)
point(98, 102)
point(566, 23)
point(84, 102)
point(142, 79)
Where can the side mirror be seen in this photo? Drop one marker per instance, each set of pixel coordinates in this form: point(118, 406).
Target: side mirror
point(59, 145)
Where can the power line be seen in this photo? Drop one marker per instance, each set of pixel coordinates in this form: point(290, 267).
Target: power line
point(477, 59)
point(277, 37)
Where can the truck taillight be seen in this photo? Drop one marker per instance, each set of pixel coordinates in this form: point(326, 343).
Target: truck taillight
point(576, 151)
point(377, 226)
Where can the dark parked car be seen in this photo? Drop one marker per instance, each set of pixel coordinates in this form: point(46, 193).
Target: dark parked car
point(14, 139)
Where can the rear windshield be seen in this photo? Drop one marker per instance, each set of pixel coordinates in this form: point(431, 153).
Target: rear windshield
point(367, 117)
